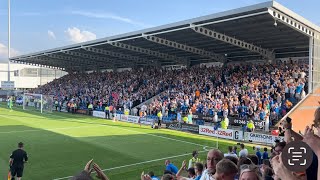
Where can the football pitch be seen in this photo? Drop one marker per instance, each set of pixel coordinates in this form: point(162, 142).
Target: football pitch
point(60, 144)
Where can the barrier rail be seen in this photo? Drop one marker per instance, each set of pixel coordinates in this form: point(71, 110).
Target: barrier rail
point(231, 134)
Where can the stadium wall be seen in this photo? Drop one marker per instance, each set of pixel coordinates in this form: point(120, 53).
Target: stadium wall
point(27, 77)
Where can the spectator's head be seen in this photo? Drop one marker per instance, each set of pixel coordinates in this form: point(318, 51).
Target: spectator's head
point(167, 172)
point(20, 145)
point(230, 148)
point(258, 148)
point(249, 172)
point(254, 158)
point(233, 159)
point(235, 148)
point(242, 146)
point(279, 147)
point(266, 162)
point(244, 160)
point(316, 121)
point(198, 168)
point(265, 149)
point(167, 162)
point(191, 172)
point(265, 165)
point(195, 154)
point(226, 170)
point(267, 173)
point(213, 157)
point(167, 177)
point(151, 173)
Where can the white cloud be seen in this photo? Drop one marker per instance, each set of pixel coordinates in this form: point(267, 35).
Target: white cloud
point(51, 34)
point(76, 35)
point(4, 53)
point(109, 16)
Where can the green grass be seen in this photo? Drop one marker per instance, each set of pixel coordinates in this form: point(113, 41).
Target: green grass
point(60, 144)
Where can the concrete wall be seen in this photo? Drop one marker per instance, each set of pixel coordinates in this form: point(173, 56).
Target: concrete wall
point(23, 82)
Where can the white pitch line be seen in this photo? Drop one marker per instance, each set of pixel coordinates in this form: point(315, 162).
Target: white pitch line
point(139, 132)
point(144, 162)
point(36, 130)
point(134, 164)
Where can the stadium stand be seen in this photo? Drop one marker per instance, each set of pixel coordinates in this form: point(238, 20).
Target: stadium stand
point(246, 91)
point(263, 92)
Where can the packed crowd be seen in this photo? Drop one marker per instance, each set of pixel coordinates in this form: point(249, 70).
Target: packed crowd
point(242, 165)
point(120, 89)
point(256, 92)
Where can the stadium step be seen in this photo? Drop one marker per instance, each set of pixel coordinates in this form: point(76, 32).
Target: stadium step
point(303, 115)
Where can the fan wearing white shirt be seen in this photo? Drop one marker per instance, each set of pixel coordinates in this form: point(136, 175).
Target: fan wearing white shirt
point(213, 157)
point(230, 153)
point(243, 152)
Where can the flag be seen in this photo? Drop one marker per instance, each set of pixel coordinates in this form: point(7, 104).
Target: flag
point(9, 175)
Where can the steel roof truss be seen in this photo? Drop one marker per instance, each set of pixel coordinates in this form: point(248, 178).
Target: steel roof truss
point(151, 53)
point(186, 48)
point(233, 41)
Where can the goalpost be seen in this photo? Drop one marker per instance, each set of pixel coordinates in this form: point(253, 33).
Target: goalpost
point(37, 102)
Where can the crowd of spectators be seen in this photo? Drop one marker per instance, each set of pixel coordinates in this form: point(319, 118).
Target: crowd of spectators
point(249, 91)
point(233, 165)
point(120, 89)
point(258, 92)
point(246, 165)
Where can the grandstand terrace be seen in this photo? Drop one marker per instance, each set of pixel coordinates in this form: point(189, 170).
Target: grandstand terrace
point(252, 63)
point(266, 33)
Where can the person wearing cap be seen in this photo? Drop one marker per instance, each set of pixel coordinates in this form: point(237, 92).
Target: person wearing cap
point(17, 160)
point(194, 159)
point(250, 126)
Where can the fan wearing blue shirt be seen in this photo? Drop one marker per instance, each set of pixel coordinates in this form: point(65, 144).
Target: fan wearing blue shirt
point(258, 153)
point(170, 167)
point(262, 115)
point(299, 89)
point(265, 155)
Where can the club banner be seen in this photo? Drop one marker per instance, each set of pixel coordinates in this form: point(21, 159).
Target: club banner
point(118, 117)
point(82, 111)
point(147, 121)
point(221, 133)
point(183, 127)
point(261, 138)
point(132, 119)
point(99, 114)
point(127, 118)
point(241, 122)
point(123, 118)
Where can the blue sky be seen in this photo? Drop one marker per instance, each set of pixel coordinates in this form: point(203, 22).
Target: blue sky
point(43, 24)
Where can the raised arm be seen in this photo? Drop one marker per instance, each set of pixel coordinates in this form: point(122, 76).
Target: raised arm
point(182, 168)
